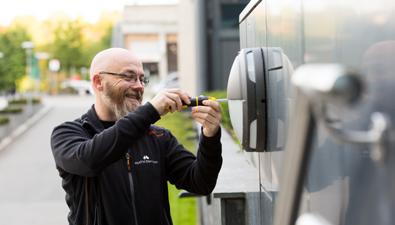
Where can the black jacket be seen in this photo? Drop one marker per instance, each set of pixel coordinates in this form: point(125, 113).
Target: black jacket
point(93, 164)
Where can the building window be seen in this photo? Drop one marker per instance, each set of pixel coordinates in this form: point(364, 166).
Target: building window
point(151, 69)
point(230, 14)
point(172, 57)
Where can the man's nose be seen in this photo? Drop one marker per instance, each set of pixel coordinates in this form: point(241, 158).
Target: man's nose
point(137, 84)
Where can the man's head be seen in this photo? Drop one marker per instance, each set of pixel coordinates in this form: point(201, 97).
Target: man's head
point(117, 78)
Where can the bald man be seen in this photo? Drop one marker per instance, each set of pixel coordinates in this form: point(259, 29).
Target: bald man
point(115, 164)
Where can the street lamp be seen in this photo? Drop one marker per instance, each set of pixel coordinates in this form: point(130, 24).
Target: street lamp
point(54, 66)
point(28, 46)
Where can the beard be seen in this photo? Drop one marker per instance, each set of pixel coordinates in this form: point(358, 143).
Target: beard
point(121, 101)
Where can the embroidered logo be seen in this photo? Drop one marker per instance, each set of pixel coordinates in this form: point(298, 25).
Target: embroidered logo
point(155, 133)
point(146, 160)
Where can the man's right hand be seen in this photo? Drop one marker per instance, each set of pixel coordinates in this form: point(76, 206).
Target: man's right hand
point(169, 100)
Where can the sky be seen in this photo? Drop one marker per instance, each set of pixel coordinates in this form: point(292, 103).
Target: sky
point(90, 10)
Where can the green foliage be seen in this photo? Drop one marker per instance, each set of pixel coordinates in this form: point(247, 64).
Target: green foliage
point(12, 65)
point(68, 44)
point(72, 48)
point(24, 101)
point(72, 42)
point(4, 120)
point(36, 100)
point(21, 101)
point(92, 48)
point(183, 211)
point(11, 110)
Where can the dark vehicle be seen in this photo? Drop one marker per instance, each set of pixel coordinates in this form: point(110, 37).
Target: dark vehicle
point(310, 99)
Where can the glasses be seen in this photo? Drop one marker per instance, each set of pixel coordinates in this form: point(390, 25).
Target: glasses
point(129, 77)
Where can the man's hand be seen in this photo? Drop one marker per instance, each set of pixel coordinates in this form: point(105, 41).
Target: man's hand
point(169, 100)
point(209, 116)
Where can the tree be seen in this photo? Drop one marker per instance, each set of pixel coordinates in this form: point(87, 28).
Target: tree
point(13, 62)
point(104, 42)
point(68, 45)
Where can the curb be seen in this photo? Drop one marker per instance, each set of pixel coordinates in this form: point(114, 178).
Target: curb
point(23, 127)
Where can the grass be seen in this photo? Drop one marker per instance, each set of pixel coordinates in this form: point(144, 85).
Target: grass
point(225, 113)
point(183, 211)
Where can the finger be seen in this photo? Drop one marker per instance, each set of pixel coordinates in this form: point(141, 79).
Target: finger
point(206, 121)
point(170, 104)
point(206, 109)
point(182, 94)
point(185, 98)
point(214, 104)
point(176, 99)
point(207, 125)
point(200, 121)
point(214, 120)
point(166, 111)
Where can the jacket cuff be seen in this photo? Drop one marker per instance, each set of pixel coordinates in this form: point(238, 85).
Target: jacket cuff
point(149, 110)
point(210, 141)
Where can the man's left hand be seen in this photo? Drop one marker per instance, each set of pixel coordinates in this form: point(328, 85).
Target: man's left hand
point(209, 116)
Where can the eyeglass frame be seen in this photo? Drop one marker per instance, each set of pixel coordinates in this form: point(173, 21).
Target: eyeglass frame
point(144, 82)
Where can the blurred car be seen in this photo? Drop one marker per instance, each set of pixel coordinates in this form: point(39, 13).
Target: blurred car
point(82, 87)
point(170, 81)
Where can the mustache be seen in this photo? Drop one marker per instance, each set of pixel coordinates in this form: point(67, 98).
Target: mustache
point(136, 95)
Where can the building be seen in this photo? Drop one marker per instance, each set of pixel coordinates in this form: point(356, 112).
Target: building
point(151, 31)
point(208, 42)
point(197, 38)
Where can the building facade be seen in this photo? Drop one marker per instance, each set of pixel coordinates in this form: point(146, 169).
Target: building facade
point(208, 42)
point(197, 38)
point(151, 32)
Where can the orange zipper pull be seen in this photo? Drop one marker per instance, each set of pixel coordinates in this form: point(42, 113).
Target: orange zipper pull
point(129, 161)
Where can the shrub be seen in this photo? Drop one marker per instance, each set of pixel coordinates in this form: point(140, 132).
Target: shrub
point(24, 101)
point(36, 100)
point(20, 101)
point(11, 110)
point(4, 120)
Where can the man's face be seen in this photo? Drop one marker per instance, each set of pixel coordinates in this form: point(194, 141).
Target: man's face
point(124, 94)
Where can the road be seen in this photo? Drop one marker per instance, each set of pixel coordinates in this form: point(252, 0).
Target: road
point(30, 188)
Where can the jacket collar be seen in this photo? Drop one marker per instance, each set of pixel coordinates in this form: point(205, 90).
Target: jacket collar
point(91, 120)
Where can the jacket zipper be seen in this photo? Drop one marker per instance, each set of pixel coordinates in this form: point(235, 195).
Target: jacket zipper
point(87, 201)
point(129, 163)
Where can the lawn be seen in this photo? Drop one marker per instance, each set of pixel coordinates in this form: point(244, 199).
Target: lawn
point(183, 211)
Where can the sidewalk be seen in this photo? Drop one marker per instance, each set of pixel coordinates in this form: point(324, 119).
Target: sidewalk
point(20, 122)
point(237, 173)
point(237, 189)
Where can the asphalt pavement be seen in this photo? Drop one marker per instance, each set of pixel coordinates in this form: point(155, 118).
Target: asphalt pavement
point(30, 187)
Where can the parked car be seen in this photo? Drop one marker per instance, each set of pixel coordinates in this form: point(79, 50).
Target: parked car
point(170, 81)
point(81, 87)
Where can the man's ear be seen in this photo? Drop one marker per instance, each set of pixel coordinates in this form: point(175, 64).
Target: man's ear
point(97, 82)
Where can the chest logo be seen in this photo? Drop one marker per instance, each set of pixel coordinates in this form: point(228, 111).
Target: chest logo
point(146, 160)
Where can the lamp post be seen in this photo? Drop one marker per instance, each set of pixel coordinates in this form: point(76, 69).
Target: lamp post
point(54, 66)
point(28, 46)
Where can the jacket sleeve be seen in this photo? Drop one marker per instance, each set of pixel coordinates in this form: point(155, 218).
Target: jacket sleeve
point(76, 152)
point(194, 174)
